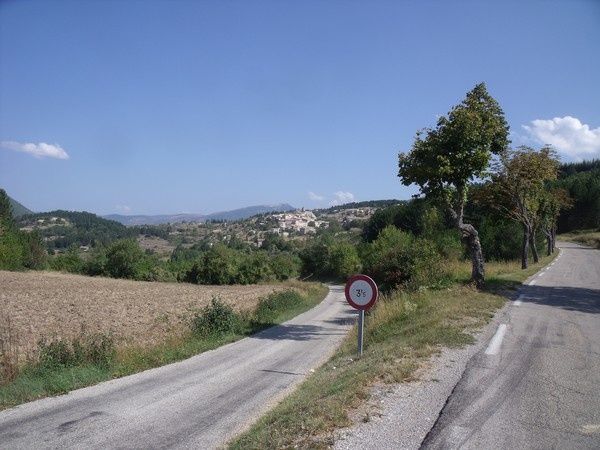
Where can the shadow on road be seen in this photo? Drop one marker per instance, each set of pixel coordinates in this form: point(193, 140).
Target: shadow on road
point(298, 332)
point(567, 298)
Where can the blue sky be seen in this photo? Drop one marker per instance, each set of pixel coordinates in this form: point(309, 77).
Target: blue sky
point(148, 107)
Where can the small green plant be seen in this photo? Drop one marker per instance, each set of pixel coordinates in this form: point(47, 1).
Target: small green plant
point(218, 318)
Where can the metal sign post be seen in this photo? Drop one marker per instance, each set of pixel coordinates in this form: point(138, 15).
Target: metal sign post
point(361, 293)
point(361, 329)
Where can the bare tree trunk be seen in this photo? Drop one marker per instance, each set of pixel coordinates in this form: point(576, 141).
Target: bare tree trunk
point(553, 238)
point(532, 239)
point(525, 248)
point(471, 238)
point(548, 234)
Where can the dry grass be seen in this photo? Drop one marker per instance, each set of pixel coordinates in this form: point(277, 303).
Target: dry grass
point(50, 304)
point(9, 354)
point(591, 238)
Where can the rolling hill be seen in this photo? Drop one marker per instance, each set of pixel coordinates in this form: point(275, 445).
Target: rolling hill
point(236, 214)
point(18, 210)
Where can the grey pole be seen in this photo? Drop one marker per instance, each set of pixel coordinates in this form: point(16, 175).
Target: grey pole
point(361, 326)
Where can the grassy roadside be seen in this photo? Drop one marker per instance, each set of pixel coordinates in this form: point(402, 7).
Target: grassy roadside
point(65, 366)
point(401, 332)
point(591, 238)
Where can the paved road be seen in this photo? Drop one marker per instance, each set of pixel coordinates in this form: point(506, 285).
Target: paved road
point(198, 403)
point(537, 383)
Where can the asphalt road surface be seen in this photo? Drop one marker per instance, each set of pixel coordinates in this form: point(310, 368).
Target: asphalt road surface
point(537, 383)
point(201, 402)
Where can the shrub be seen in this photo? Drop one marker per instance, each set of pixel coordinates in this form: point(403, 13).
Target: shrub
point(343, 260)
point(218, 265)
point(285, 265)
point(67, 262)
point(274, 304)
point(254, 267)
point(97, 349)
point(123, 259)
point(315, 259)
point(217, 318)
point(398, 259)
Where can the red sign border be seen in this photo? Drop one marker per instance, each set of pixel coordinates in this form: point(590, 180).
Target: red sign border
point(371, 283)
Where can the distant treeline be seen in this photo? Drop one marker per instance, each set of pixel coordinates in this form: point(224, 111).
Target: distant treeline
point(582, 182)
point(354, 205)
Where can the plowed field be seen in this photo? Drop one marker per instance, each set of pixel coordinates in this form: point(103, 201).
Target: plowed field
point(36, 305)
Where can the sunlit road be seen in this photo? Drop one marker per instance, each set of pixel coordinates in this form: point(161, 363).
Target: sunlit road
point(537, 383)
point(198, 403)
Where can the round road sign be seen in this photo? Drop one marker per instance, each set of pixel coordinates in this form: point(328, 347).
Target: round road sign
point(361, 292)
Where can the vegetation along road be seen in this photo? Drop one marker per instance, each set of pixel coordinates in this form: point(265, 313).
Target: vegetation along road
point(536, 383)
point(198, 403)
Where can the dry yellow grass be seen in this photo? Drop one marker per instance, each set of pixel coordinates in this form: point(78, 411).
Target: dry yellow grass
point(51, 304)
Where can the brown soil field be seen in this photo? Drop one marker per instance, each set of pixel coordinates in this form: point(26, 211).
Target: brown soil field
point(35, 305)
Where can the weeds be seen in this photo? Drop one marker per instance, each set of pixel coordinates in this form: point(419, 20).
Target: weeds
point(96, 349)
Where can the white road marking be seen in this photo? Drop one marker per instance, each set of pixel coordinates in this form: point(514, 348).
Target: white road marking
point(532, 282)
point(540, 274)
point(519, 300)
point(496, 341)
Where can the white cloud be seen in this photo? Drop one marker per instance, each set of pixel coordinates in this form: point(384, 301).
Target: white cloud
point(41, 150)
point(341, 197)
point(123, 208)
point(568, 135)
point(315, 197)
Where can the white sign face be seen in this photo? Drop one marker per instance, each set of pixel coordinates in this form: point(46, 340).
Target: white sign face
point(361, 292)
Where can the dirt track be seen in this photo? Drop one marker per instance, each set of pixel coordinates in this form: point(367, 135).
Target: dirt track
point(49, 304)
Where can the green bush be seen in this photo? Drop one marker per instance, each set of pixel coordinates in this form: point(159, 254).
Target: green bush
point(218, 265)
point(396, 259)
point(217, 318)
point(254, 267)
point(343, 260)
point(276, 303)
point(123, 259)
point(285, 265)
point(67, 262)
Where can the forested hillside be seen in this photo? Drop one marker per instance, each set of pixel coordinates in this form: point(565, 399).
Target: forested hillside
point(63, 229)
point(17, 208)
point(582, 182)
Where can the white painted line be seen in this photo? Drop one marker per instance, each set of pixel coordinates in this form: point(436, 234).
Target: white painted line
point(518, 302)
point(496, 341)
point(540, 274)
point(532, 282)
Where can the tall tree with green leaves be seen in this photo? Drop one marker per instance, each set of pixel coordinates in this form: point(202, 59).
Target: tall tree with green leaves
point(444, 161)
point(520, 190)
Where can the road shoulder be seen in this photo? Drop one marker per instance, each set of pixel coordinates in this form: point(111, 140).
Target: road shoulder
point(400, 416)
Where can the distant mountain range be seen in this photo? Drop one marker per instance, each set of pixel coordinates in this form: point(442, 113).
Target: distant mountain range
point(236, 214)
